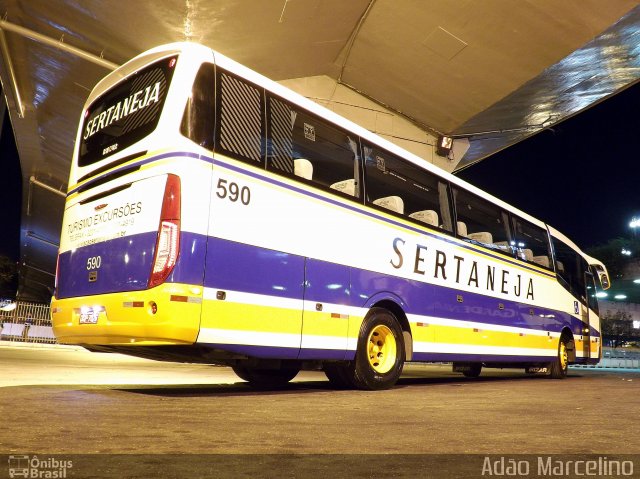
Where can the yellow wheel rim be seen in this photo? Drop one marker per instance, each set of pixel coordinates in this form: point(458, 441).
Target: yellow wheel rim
point(383, 349)
point(564, 356)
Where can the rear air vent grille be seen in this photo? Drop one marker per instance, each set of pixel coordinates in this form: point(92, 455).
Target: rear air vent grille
point(108, 178)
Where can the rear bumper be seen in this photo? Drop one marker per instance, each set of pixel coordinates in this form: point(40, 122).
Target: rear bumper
point(128, 318)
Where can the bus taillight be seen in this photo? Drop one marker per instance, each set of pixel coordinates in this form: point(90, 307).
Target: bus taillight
point(168, 241)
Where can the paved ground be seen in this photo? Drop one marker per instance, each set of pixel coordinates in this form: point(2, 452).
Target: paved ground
point(68, 401)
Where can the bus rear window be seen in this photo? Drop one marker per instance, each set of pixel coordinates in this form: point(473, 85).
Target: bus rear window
point(125, 114)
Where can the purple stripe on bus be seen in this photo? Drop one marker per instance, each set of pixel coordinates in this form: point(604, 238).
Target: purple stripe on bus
point(120, 264)
point(486, 358)
point(335, 354)
point(125, 265)
point(250, 269)
point(257, 351)
point(190, 266)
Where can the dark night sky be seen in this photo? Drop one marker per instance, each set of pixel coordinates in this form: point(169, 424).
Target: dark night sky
point(580, 177)
point(10, 193)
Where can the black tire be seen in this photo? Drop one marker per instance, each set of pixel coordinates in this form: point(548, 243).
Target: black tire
point(265, 378)
point(338, 375)
point(558, 368)
point(473, 370)
point(380, 354)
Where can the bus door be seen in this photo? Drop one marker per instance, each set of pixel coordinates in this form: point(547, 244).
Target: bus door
point(590, 291)
point(255, 304)
point(592, 308)
point(325, 320)
point(586, 336)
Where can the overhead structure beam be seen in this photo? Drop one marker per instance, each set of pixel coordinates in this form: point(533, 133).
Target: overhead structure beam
point(11, 72)
point(35, 236)
point(59, 44)
point(47, 187)
point(3, 109)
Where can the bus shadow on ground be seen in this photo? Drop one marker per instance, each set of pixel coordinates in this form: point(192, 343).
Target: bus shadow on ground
point(241, 388)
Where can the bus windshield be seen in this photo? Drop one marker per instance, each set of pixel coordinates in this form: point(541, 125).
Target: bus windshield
point(126, 113)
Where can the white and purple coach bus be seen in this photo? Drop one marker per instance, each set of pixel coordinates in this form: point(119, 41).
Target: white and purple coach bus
point(215, 216)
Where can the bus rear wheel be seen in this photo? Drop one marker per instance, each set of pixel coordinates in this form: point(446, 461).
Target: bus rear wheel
point(380, 354)
point(558, 368)
point(338, 375)
point(265, 378)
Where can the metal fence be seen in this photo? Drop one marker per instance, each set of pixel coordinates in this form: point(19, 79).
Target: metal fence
point(28, 322)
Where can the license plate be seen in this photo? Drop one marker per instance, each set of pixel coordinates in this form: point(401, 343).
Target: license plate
point(89, 317)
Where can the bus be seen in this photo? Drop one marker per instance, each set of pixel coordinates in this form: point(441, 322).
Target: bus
point(215, 216)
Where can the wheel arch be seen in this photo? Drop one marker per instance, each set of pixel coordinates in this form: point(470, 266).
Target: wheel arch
point(567, 334)
point(397, 311)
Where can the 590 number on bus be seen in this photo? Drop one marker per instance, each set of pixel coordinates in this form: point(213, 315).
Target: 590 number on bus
point(232, 191)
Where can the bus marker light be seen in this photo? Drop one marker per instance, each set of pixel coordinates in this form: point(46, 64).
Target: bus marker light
point(133, 304)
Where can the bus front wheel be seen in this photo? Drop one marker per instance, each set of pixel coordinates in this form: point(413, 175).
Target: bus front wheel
point(558, 368)
point(265, 378)
point(380, 354)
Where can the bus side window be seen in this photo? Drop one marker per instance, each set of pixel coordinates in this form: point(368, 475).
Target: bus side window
point(482, 222)
point(197, 120)
point(591, 292)
point(570, 268)
point(240, 125)
point(532, 243)
point(306, 148)
point(404, 189)
point(280, 141)
point(332, 153)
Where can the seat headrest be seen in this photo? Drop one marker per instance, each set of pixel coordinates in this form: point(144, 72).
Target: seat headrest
point(303, 168)
point(393, 203)
point(542, 261)
point(481, 237)
point(429, 217)
point(345, 186)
